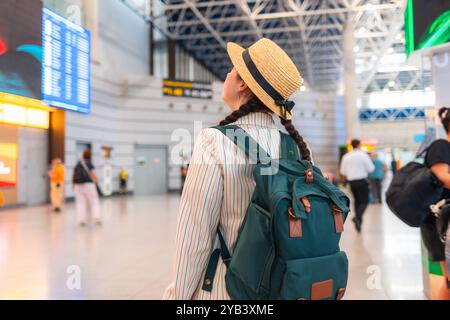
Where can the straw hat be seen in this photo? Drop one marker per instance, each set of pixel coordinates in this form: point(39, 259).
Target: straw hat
point(269, 73)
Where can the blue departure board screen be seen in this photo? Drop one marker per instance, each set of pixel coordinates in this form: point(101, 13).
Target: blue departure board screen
point(66, 64)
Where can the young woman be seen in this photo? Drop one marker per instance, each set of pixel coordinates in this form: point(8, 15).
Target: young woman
point(438, 160)
point(84, 182)
point(219, 183)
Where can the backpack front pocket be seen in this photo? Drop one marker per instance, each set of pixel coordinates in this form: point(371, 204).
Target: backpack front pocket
point(321, 278)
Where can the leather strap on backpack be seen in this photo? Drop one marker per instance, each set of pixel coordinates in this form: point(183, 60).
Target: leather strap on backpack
point(214, 260)
point(338, 219)
point(211, 271)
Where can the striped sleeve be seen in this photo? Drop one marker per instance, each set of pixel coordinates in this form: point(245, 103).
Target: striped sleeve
point(198, 218)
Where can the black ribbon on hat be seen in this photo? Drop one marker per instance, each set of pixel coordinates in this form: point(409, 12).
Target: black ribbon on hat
point(287, 105)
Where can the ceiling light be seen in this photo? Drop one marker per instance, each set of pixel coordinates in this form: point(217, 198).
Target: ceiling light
point(388, 69)
point(391, 83)
point(396, 58)
point(356, 48)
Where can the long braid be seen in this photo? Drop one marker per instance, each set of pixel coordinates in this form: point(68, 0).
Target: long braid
point(255, 105)
point(304, 150)
point(252, 105)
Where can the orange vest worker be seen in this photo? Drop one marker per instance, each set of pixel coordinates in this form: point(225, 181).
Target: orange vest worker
point(57, 175)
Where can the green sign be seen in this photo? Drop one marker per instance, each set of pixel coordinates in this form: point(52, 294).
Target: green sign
point(427, 24)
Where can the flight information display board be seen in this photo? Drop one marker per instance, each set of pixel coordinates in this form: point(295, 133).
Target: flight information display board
point(66, 64)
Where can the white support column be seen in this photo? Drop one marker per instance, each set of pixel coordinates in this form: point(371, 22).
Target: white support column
point(441, 78)
point(350, 91)
point(92, 23)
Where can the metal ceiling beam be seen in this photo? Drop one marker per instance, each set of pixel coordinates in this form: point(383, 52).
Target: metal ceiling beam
point(277, 15)
point(310, 31)
point(279, 42)
point(244, 8)
point(213, 32)
point(176, 7)
point(145, 16)
point(229, 20)
point(277, 30)
point(190, 23)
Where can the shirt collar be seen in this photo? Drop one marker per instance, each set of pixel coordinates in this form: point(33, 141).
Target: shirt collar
point(258, 119)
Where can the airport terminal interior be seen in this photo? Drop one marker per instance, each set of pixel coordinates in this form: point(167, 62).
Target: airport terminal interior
point(103, 101)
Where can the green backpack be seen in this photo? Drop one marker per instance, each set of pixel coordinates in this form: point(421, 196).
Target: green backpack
point(288, 243)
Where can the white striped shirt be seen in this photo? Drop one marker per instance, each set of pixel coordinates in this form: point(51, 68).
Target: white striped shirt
point(217, 190)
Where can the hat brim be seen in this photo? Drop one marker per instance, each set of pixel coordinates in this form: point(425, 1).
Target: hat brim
point(235, 53)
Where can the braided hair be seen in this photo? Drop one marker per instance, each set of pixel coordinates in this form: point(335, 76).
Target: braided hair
point(255, 105)
point(444, 115)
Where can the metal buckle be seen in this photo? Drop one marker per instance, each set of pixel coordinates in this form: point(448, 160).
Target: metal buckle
point(309, 176)
point(292, 213)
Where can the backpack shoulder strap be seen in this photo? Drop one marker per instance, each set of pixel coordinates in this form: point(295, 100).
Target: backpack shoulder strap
point(245, 142)
point(256, 153)
point(213, 260)
point(289, 148)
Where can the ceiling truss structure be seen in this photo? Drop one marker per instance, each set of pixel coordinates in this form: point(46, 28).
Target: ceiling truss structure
point(311, 31)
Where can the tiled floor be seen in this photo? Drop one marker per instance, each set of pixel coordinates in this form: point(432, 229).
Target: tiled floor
point(130, 256)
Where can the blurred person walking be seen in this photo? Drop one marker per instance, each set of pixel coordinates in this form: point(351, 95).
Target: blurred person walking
point(85, 187)
point(438, 160)
point(356, 167)
point(57, 177)
point(394, 163)
point(376, 178)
